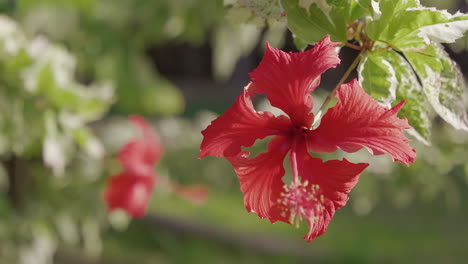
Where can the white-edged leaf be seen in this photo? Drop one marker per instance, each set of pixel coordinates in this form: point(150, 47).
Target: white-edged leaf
point(444, 32)
point(46, 54)
point(447, 27)
point(416, 108)
point(321, 4)
point(12, 40)
point(442, 83)
point(89, 142)
point(55, 146)
point(384, 12)
point(378, 77)
point(376, 13)
point(311, 24)
point(407, 26)
point(311, 20)
point(387, 76)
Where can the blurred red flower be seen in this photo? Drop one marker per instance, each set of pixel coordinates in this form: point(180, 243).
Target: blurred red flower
point(130, 193)
point(131, 189)
point(196, 193)
point(140, 154)
point(318, 188)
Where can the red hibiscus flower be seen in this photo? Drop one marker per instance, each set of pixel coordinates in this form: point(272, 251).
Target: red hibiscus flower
point(318, 188)
point(129, 192)
point(140, 155)
point(131, 189)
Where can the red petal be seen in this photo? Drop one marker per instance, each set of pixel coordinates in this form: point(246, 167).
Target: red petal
point(358, 121)
point(240, 126)
point(139, 155)
point(287, 79)
point(129, 192)
point(260, 179)
point(334, 179)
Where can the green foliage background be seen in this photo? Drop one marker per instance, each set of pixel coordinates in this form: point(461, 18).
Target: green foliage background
point(64, 116)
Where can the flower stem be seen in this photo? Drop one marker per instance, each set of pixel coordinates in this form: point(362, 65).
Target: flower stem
point(342, 80)
point(356, 47)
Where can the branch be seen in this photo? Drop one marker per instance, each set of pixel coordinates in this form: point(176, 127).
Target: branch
point(260, 242)
point(342, 80)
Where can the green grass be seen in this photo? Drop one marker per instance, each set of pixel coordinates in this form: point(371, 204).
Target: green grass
point(424, 233)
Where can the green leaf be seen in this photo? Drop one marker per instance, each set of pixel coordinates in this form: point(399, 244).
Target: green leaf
point(162, 97)
point(5, 207)
point(89, 103)
point(312, 20)
point(89, 142)
point(388, 9)
point(443, 84)
point(299, 43)
point(45, 81)
point(348, 11)
point(387, 76)
point(416, 106)
point(407, 26)
point(56, 145)
point(11, 70)
point(142, 91)
point(14, 64)
point(94, 101)
point(312, 23)
point(378, 77)
point(84, 5)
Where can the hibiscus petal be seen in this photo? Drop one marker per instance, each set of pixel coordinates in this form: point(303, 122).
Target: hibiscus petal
point(329, 182)
point(358, 121)
point(139, 155)
point(287, 79)
point(240, 126)
point(129, 192)
point(260, 179)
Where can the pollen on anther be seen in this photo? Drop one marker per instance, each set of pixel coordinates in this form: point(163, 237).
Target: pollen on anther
point(302, 200)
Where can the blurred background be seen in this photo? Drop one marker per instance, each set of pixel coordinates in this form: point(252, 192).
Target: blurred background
point(71, 71)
